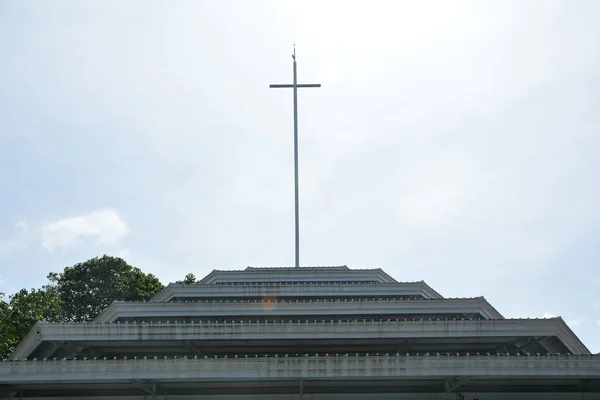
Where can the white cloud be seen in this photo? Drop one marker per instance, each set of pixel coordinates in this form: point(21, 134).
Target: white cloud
point(548, 315)
point(16, 242)
point(103, 227)
point(22, 227)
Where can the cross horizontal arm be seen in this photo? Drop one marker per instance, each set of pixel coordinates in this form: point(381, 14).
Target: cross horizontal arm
point(298, 85)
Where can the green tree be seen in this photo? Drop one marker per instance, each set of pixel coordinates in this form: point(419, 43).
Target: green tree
point(5, 342)
point(24, 309)
point(79, 293)
point(189, 279)
point(87, 288)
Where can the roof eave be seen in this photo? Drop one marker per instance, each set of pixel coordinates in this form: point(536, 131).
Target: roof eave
point(29, 343)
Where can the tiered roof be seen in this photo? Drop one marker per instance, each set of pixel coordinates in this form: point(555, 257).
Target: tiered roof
point(301, 323)
point(290, 310)
point(341, 274)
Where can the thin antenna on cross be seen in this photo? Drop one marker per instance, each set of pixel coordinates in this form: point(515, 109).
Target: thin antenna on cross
point(295, 85)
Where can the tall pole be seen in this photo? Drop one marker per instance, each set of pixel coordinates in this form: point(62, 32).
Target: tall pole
point(295, 86)
point(296, 183)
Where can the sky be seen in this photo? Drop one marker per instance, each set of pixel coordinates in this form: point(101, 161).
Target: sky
point(451, 141)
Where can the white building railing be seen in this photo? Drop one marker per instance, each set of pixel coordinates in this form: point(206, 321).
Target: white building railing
point(305, 274)
point(240, 290)
point(252, 330)
point(297, 330)
point(298, 308)
point(315, 366)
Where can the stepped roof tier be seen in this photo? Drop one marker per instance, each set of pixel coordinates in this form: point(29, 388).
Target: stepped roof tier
point(325, 332)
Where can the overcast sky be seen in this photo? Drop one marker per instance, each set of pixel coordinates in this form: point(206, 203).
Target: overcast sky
point(451, 142)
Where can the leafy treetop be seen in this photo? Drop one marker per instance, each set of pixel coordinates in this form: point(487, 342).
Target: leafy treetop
point(88, 288)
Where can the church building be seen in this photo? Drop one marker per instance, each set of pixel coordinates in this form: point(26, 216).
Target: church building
point(318, 333)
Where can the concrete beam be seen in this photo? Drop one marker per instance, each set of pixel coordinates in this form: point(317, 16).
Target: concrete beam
point(451, 384)
point(6, 393)
point(213, 291)
point(394, 367)
point(307, 275)
point(329, 330)
point(193, 347)
point(297, 309)
point(146, 386)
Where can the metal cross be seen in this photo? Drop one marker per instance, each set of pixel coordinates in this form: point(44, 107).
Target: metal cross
point(295, 86)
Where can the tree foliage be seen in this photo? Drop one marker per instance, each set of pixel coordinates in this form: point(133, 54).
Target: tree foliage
point(79, 293)
point(87, 288)
point(6, 341)
point(23, 310)
point(188, 280)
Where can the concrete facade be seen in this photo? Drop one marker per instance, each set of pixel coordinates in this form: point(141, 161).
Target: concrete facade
point(477, 308)
point(304, 290)
point(293, 333)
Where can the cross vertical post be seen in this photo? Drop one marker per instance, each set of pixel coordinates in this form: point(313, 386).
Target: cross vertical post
point(295, 85)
